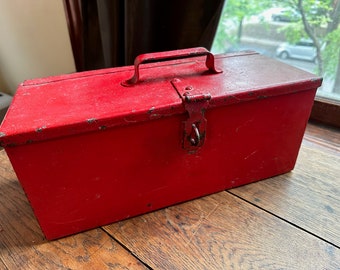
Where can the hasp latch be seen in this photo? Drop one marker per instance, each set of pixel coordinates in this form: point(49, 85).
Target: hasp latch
point(194, 130)
point(194, 127)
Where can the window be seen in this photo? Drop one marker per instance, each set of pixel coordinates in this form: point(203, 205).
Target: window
point(301, 33)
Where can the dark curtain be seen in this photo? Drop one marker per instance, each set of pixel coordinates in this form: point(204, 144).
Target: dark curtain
point(113, 32)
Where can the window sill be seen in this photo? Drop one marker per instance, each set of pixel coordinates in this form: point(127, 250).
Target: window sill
point(326, 111)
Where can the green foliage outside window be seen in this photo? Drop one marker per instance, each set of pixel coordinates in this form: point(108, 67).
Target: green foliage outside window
point(315, 20)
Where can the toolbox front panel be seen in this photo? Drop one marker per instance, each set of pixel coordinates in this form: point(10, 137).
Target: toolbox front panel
point(83, 181)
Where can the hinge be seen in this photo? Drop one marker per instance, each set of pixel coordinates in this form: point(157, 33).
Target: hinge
point(194, 127)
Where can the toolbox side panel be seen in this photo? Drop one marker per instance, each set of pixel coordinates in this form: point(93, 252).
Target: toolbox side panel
point(260, 138)
point(80, 182)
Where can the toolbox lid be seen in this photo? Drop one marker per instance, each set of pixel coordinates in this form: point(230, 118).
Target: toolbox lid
point(81, 102)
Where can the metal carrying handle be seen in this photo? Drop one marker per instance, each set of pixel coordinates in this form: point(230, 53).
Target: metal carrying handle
point(171, 55)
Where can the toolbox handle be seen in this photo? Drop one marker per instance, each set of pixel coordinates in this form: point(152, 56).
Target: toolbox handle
point(171, 55)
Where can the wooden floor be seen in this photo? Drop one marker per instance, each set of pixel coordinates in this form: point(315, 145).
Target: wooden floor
point(287, 222)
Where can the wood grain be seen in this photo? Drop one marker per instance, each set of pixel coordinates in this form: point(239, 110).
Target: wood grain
point(309, 196)
point(222, 232)
point(2, 265)
point(23, 246)
point(322, 135)
point(286, 222)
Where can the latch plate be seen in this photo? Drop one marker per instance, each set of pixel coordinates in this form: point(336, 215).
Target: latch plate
point(194, 127)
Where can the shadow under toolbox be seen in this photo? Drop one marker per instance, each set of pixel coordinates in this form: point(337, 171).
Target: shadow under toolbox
point(95, 147)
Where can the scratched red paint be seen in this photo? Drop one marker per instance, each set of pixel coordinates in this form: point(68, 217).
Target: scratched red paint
point(89, 150)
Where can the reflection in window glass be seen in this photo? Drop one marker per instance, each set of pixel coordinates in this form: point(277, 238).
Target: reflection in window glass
point(302, 33)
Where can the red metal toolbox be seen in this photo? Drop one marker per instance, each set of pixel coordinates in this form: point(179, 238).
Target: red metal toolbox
point(96, 147)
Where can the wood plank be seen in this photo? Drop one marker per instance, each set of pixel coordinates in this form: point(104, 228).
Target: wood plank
point(323, 135)
point(309, 196)
point(221, 231)
point(2, 265)
point(23, 246)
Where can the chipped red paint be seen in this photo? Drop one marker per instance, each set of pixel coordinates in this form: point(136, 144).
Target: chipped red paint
point(89, 151)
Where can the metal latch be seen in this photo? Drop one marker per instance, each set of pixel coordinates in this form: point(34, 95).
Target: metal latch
point(195, 102)
point(194, 128)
